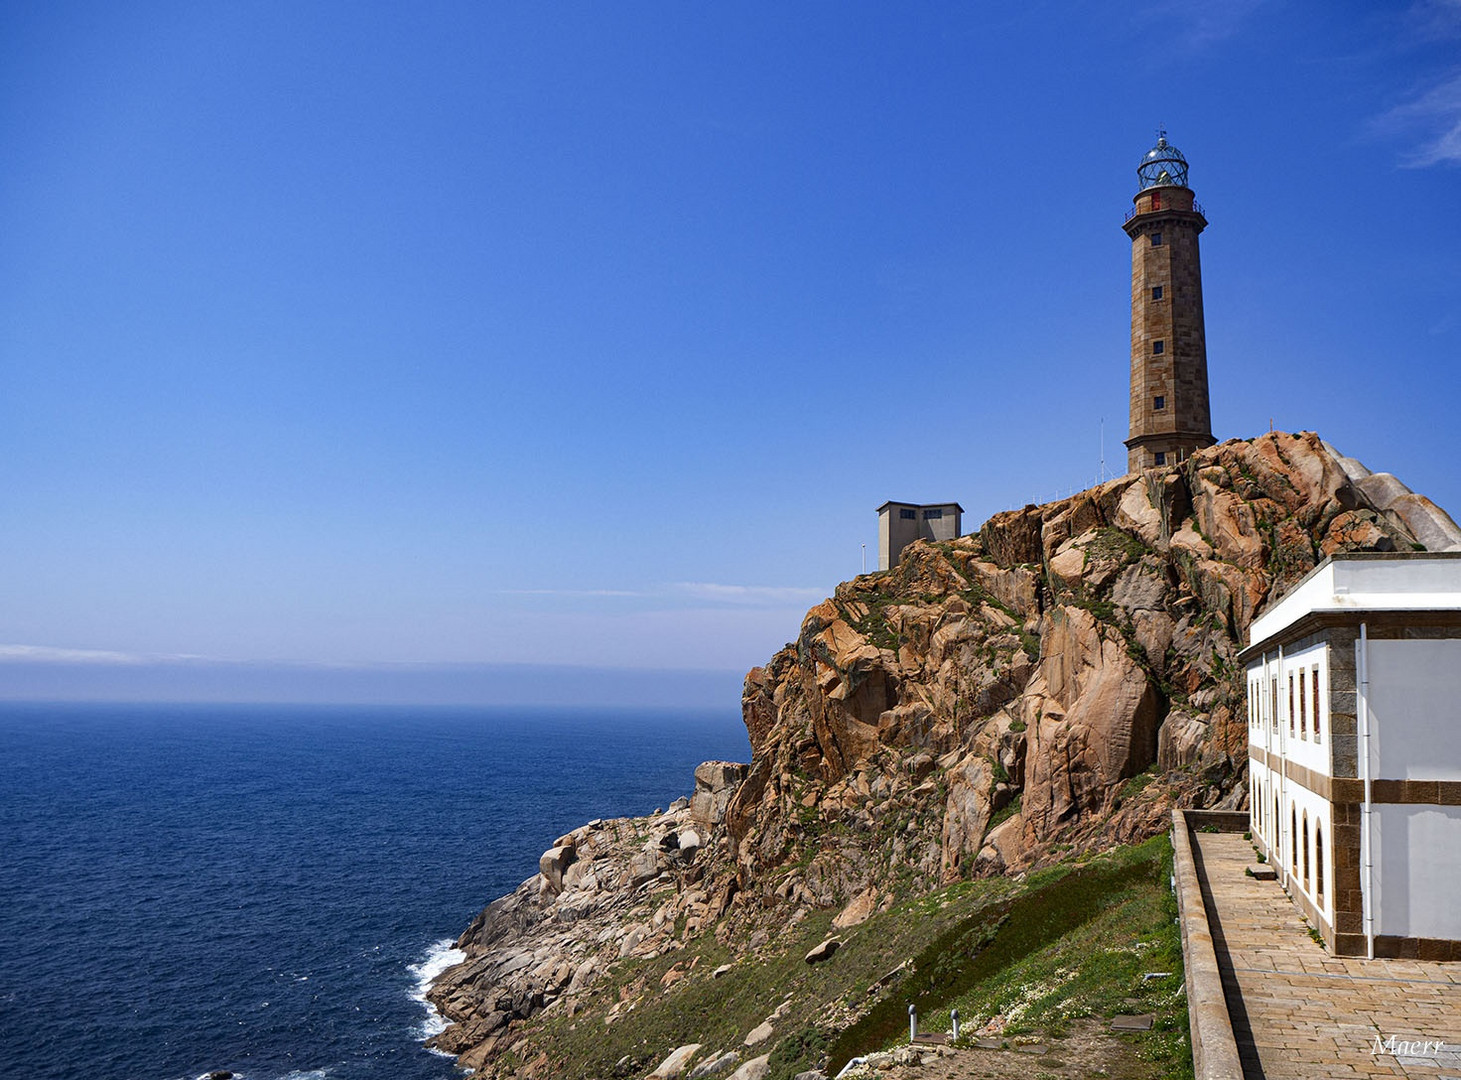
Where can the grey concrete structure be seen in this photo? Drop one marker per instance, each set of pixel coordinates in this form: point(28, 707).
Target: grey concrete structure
point(900, 523)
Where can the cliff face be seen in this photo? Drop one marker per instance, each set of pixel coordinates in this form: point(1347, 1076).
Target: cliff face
point(1046, 687)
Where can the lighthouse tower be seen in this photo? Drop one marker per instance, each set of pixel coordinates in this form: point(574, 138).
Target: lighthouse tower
point(1170, 417)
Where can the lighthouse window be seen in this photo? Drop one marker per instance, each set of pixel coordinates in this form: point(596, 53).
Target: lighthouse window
point(1160, 457)
point(1158, 347)
point(1156, 239)
point(1156, 292)
point(1159, 402)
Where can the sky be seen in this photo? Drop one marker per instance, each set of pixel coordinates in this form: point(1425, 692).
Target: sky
point(351, 349)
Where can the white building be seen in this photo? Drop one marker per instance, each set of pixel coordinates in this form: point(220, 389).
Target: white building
point(1354, 733)
point(899, 524)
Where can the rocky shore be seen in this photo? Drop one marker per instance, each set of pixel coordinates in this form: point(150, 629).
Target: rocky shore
point(1038, 691)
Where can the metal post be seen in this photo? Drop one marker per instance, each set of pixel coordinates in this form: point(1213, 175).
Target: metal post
point(912, 1023)
point(954, 1016)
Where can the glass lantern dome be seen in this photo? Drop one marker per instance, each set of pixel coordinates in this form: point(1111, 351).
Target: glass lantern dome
point(1162, 166)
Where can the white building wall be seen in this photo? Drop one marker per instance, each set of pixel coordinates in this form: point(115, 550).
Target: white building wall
point(1417, 852)
point(1415, 709)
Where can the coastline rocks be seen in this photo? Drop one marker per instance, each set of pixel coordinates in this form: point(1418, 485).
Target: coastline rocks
point(553, 863)
point(715, 783)
point(1039, 690)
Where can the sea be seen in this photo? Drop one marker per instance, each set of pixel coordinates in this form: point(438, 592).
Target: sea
point(268, 890)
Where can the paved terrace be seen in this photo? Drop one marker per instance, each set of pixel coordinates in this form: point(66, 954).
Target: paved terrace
point(1298, 1012)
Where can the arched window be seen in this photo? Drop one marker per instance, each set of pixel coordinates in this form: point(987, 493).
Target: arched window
point(1319, 862)
point(1293, 839)
point(1307, 888)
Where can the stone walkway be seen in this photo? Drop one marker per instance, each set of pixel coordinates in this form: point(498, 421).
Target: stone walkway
point(1299, 1012)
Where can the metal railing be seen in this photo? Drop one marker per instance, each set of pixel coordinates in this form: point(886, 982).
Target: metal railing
point(1196, 209)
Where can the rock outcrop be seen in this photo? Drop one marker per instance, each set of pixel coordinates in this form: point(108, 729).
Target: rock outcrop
point(1047, 686)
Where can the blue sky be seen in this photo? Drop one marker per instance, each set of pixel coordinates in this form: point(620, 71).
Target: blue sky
point(592, 335)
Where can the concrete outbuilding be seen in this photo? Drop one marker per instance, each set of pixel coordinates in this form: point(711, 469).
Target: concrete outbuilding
point(899, 524)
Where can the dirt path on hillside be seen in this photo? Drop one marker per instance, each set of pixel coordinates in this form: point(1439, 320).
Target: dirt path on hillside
point(1089, 1050)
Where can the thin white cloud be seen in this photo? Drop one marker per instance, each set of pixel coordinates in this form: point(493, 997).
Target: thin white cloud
point(570, 592)
point(46, 654)
point(1434, 118)
point(700, 591)
point(751, 595)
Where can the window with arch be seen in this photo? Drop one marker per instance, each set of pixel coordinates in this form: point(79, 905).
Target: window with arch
point(1319, 862)
point(1307, 887)
point(1293, 840)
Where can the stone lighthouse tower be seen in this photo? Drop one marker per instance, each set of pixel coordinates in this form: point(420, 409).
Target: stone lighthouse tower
point(1169, 410)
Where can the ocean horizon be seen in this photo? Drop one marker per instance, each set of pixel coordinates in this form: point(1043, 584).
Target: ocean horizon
point(269, 889)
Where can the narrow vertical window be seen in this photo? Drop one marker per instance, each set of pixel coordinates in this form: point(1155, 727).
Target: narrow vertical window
point(1291, 705)
point(1303, 710)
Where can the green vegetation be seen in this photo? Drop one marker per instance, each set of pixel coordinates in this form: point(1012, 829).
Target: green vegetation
point(718, 1013)
point(1075, 945)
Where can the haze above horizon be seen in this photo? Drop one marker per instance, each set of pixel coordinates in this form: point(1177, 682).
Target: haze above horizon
point(477, 336)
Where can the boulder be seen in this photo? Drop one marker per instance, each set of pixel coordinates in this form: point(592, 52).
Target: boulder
point(823, 951)
point(1427, 522)
point(553, 862)
point(858, 909)
point(673, 1067)
point(715, 1066)
point(755, 1069)
point(715, 785)
point(759, 1034)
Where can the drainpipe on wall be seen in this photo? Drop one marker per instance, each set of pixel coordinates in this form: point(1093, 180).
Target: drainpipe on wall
point(1281, 712)
point(1367, 855)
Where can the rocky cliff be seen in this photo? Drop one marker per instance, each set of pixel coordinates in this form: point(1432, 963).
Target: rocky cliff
point(1046, 687)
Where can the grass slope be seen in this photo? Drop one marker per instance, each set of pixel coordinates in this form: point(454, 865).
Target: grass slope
point(1068, 942)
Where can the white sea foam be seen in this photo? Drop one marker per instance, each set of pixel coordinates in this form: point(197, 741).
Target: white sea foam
point(440, 956)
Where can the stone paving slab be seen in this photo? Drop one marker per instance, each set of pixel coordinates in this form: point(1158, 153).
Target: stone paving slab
point(1300, 1013)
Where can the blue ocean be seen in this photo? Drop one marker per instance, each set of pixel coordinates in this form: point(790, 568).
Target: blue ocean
point(267, 889)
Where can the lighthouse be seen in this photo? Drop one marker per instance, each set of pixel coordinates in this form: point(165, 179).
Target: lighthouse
point(1170, 417)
